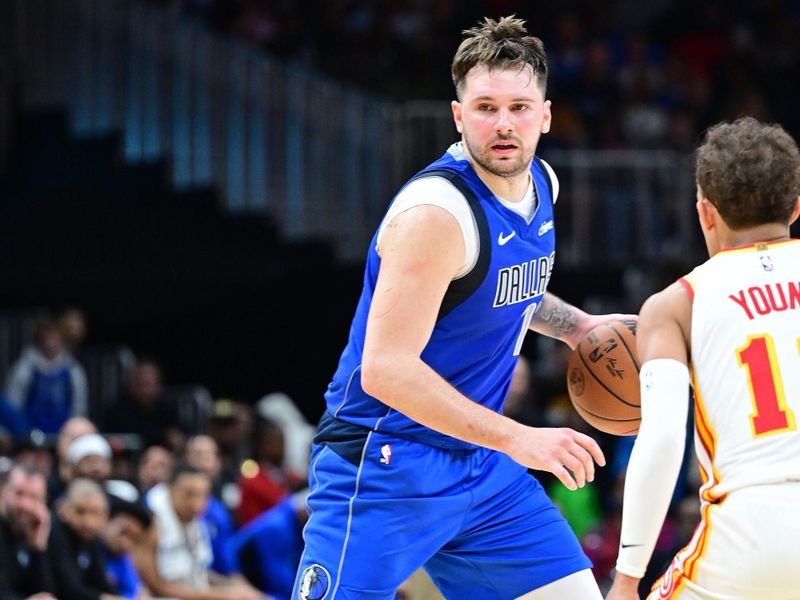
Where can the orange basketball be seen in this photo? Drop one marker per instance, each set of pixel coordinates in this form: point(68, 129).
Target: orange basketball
point(603, 378)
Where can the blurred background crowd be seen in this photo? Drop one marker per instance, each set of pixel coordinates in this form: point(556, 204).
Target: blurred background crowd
point(169, 267)
point(624, 74)
point(120, 479)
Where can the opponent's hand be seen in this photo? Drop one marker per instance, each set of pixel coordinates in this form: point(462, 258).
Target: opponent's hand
point(560, 451)
point(624, 588)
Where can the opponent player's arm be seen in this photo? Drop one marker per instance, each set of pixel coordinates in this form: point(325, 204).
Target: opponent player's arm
point(558, 319)
point(662, 342)
point(421, 249)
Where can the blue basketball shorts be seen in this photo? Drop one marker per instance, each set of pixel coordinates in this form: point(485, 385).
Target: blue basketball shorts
point(381, 507)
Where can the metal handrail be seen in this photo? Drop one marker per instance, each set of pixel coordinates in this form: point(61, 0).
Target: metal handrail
point(322, 158)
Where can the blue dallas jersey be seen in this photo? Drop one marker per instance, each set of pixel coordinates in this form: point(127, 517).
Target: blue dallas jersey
point(484, 315)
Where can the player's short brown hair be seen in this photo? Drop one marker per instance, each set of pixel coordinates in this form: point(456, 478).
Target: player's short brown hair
point(750, 171)
point(504, 44)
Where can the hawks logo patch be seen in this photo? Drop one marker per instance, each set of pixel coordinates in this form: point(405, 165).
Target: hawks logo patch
point(314, 583)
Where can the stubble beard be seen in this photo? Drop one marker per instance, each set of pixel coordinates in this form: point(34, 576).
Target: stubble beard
point(499, 167)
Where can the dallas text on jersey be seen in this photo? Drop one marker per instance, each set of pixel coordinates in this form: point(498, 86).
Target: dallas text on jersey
point(521, 282)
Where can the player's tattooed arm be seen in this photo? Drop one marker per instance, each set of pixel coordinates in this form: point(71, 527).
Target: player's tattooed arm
point(561, 320)
point(556, 318)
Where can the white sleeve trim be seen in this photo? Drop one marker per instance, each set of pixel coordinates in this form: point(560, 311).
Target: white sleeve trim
point(655, 461)
point(553, 179)
point(438, 191)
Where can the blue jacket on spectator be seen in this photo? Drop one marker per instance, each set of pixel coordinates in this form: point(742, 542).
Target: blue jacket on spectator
point(219, 523)
point(12, 420)
point(267, 550)
point(47, 391)
point(122, 574)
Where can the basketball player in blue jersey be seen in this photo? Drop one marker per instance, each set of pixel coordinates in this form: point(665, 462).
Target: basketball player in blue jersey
point(413, 463)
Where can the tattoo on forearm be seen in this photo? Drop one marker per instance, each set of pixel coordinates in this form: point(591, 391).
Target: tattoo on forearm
point(557, 316)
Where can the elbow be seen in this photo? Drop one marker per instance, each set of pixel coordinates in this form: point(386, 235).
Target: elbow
point(387, 375)
point(375, 376)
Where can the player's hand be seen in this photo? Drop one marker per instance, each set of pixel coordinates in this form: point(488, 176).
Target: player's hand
point(589, 322)
point(41, 596)
point(624, 588)
point(560, 451)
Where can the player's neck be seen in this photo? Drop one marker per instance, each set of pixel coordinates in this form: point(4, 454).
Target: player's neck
point(510, 189)
point(768, 232)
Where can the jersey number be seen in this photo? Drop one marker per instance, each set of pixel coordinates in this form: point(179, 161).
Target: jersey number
point(770, 413)
point(526, 322)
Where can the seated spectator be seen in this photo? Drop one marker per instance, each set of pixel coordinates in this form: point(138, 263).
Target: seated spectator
point(155, 466)
point(34, 450)
point(297, 432)
point(74, 549)
point(124, 531)
point(89, 457)
point(46, 384)
point(25, 570)
point(231, 427)
point(72, 429)
point(267, 550)
point(263, 482)
point(144, 410)
point(175, 557)
point(202, 453)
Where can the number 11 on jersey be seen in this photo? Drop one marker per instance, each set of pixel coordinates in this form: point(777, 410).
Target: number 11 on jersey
point(770, 412)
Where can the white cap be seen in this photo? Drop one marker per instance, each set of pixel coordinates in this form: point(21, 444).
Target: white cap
point(88, 445)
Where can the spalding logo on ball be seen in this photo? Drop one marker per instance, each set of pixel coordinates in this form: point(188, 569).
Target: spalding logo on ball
point(603, 378)
point(576, 383)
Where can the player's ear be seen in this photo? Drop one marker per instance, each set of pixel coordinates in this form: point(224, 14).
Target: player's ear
point(705, 211)
point(456, 106)
point(795, 212)
point(548, 117)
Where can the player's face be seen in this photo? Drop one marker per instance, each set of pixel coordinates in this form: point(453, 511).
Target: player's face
point(501, 116)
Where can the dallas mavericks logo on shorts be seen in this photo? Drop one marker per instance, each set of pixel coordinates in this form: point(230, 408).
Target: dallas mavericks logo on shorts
point(314, 583)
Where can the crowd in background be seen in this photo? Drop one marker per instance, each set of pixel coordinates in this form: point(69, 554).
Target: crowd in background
point(85, 512)
point(130, 487)
point(132, 501)
point(623, 74)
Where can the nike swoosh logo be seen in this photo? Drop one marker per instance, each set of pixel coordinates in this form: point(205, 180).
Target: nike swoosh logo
point(503, 239)
point(631, 545)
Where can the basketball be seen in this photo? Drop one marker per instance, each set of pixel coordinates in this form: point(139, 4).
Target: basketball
point(603, 378)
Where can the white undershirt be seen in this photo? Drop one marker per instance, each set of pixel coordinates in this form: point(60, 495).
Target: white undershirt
point(437, 191)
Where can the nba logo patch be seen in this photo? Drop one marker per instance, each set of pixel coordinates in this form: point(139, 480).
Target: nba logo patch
point(386, 454)
point(314, 583)
point(766, 263)
point(648, 381)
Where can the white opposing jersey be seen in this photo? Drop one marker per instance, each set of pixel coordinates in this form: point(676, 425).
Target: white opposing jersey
point(745, 360)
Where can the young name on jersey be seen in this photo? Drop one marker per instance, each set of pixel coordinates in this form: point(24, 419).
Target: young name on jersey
point(771, 297)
